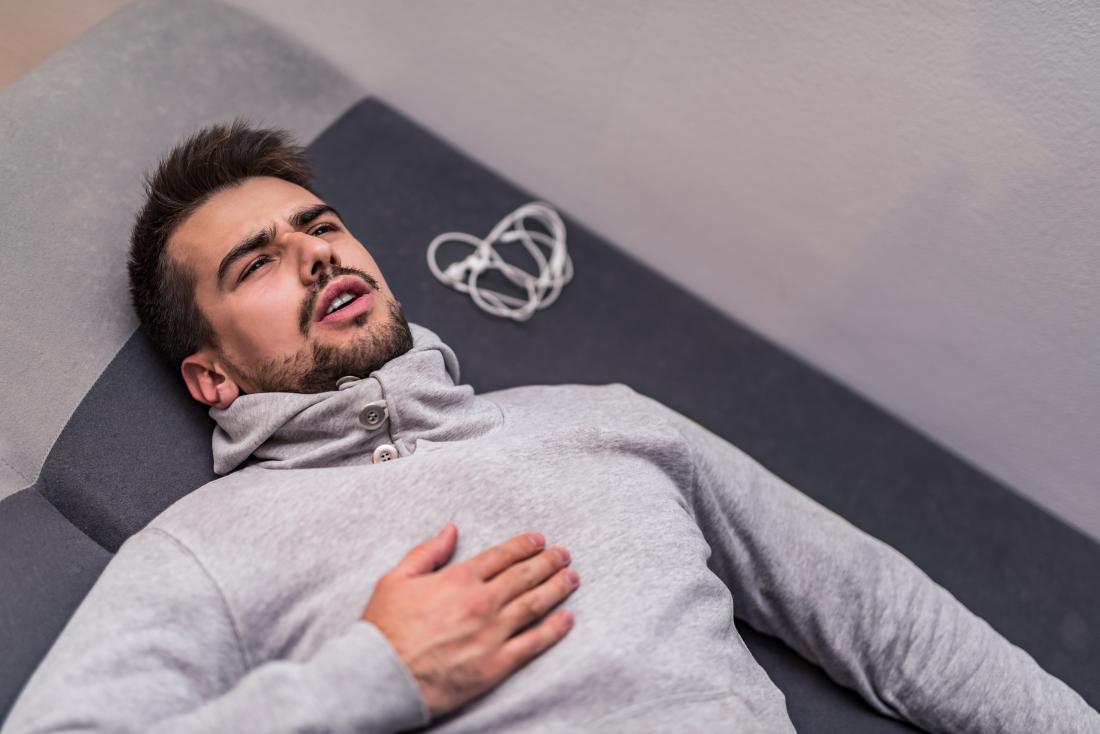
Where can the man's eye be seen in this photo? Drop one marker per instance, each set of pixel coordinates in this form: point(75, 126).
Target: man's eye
point(317, 230)
point(252, 266)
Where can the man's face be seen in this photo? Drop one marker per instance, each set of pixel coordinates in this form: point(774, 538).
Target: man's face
point(272, 305)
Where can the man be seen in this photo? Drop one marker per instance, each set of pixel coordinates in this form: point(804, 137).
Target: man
point(284, 597)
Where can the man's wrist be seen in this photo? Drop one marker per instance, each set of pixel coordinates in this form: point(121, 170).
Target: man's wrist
point(367, 683)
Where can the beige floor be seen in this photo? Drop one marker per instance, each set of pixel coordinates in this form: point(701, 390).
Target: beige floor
point(31, 30)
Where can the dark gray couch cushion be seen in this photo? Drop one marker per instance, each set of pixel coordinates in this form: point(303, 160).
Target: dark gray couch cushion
point(138, 443)
point(46, 568)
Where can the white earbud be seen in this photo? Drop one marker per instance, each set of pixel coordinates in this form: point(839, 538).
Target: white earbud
point(553, 275)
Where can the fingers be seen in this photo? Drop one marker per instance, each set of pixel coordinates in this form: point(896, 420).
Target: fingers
point(463, 630)
point(489, 563)
point(518, 651)
point(429, 555)
point(549, 584)
point(524, 576)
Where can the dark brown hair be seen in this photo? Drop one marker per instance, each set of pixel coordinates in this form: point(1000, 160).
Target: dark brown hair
point(162, 290)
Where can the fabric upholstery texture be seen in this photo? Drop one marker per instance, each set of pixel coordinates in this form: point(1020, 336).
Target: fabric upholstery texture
point(46, 568)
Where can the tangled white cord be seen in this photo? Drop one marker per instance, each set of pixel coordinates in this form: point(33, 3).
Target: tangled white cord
point(553, 275)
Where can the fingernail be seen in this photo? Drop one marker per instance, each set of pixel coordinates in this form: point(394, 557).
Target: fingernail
point(567, 617)
point(536, 539)
point(572, 576)
point(563, 554)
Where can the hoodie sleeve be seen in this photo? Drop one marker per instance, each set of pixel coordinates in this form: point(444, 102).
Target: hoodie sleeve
point(154, 648)
point(860, 609)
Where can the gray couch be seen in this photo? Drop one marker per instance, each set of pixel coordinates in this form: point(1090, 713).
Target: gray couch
point(99, 436)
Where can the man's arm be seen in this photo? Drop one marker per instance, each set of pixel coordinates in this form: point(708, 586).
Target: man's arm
point(860, 609)
point(153, 648)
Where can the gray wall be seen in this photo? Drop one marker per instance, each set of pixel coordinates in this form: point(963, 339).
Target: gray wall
point(905, 194)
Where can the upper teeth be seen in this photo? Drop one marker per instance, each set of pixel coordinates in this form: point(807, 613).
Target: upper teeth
point(339, 301)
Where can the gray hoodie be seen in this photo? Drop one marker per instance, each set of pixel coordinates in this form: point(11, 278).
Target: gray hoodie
point(237, 608)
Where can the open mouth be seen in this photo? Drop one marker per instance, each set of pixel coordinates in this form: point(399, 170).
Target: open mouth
point(343, 299)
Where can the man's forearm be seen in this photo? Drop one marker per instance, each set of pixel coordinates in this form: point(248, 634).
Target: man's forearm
point(869, 616)
point(153, 650)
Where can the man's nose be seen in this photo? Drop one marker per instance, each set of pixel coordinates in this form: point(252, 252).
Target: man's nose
point(315, 255)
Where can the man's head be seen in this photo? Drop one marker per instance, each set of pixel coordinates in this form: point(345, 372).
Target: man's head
point(244, 277)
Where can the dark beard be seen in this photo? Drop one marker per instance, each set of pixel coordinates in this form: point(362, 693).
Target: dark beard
point(318, 368)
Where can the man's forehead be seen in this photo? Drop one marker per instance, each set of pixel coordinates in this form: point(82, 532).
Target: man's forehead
point(231, 215)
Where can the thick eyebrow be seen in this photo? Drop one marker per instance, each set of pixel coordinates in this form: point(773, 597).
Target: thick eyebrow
point(263, 238)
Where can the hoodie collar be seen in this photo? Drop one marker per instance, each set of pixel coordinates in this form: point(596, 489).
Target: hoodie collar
point(423, 400)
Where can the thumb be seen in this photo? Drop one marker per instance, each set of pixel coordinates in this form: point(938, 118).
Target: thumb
point(429, 555)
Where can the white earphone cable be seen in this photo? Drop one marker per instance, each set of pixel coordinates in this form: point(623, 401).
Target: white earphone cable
point(553, 275)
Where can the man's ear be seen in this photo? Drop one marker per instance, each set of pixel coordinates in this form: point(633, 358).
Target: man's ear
point(208, 380)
